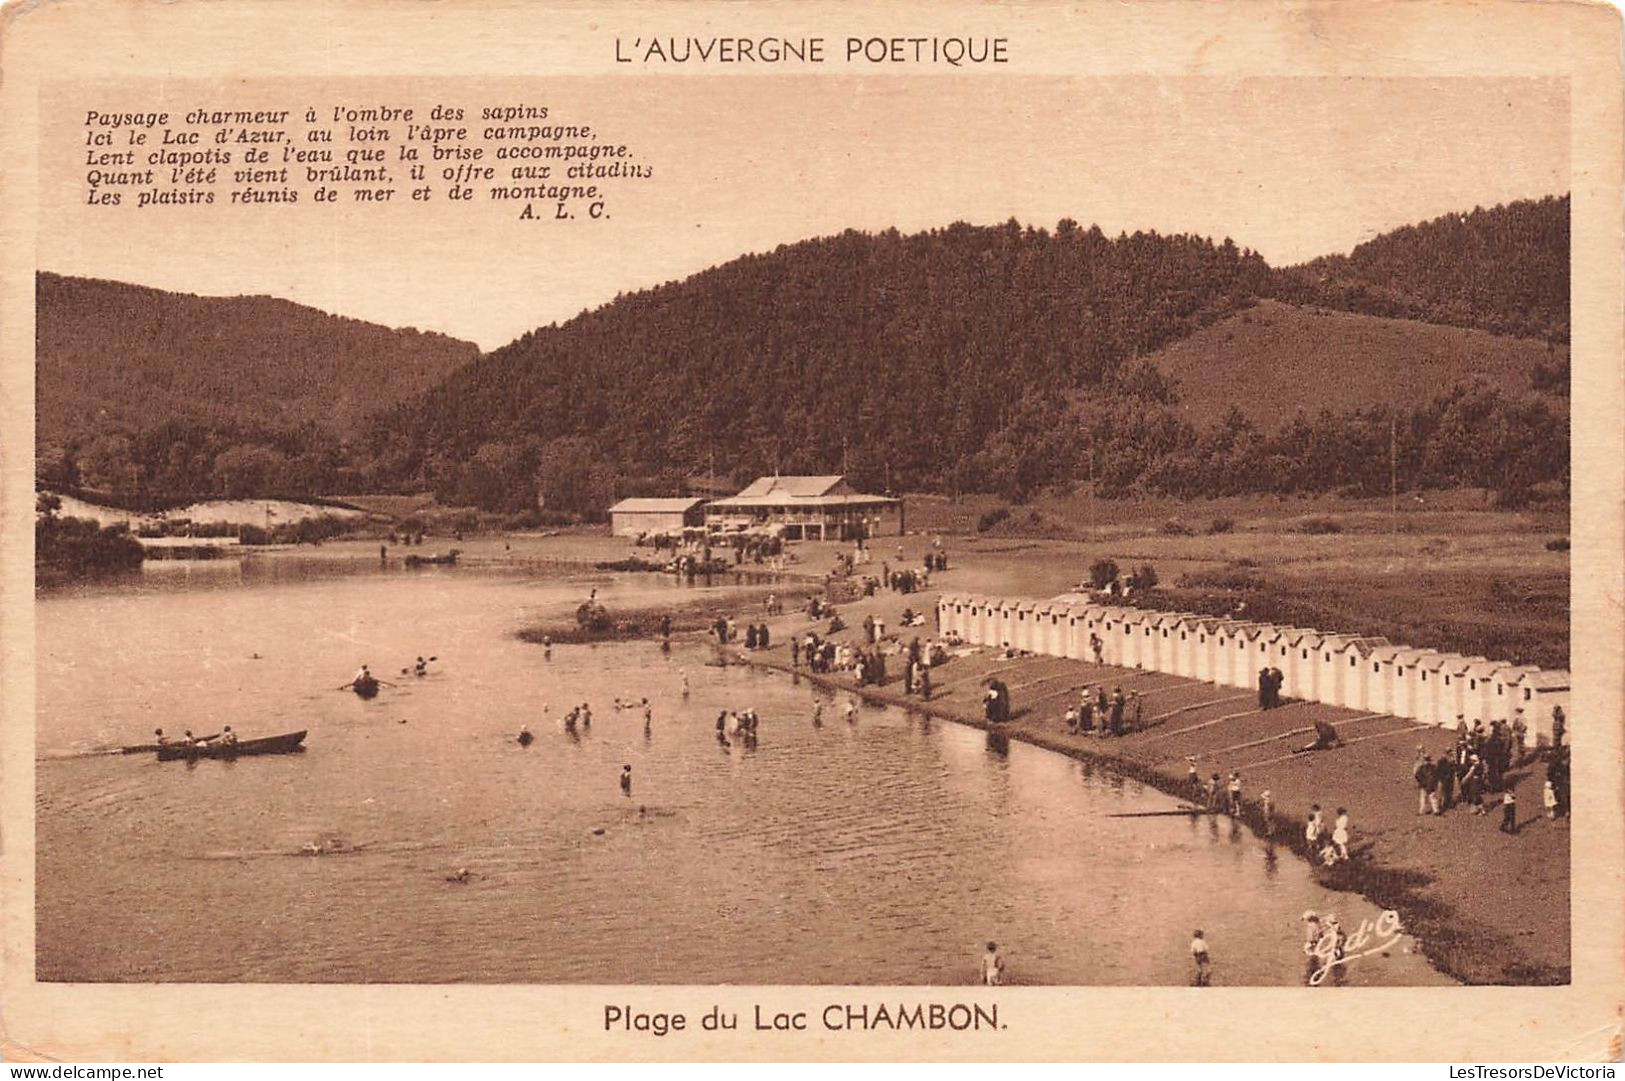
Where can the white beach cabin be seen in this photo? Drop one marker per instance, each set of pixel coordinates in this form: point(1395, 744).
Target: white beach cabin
point(1539, 692)
point(1353, 659)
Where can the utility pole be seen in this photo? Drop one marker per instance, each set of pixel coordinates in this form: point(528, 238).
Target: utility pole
point(1393, 480)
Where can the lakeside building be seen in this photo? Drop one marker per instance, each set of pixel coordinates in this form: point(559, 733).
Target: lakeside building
point(630, 517)
point(807, 508)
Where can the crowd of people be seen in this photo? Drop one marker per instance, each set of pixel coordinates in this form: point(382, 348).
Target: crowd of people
point(1474, 772)
point(1330, 846)
point(1098, 713)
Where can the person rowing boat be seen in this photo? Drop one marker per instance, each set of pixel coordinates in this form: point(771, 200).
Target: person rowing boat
point(364, 683)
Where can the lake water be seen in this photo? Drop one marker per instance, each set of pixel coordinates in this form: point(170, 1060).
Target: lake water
point(882, 852)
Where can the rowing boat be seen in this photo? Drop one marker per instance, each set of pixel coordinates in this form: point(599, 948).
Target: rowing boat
point(365, 688)
point(447, 560)
point(148, 748)
point(288, 743)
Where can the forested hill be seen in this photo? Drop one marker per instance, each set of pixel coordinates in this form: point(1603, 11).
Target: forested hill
point(898, 354)
point(112, 357)
point(1504, 270)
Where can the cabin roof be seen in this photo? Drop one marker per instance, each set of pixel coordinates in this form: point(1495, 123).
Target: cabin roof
point(797, 487)
point(656, 506)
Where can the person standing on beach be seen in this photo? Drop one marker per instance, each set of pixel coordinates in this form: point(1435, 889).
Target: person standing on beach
point(1234, 791)
point(626, 781)
point(1509, 812)
point(1192, 778)
point(1444, 772)
point(1266, 810)
point(1472, 788)
point(795, 652)
point(992, 966)
point(1263, 688)
point(1422, 772)
point(1340, 833)
point(1199, 954)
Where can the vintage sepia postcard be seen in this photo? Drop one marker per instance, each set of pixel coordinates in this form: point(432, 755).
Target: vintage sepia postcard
point(812, 531)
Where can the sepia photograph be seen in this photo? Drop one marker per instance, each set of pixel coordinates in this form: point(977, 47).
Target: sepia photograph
point(809, 507)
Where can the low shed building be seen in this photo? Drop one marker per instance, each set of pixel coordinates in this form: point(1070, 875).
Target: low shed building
point(631, 517)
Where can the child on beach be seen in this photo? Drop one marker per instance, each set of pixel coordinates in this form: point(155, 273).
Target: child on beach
point(1199, 954)
point(1548, 797)
point(992, 966)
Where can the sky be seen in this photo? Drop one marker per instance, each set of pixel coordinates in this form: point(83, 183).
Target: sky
point(1290, 167)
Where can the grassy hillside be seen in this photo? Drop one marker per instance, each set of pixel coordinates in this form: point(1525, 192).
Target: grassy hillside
point(114, 356)
point(1276, 360)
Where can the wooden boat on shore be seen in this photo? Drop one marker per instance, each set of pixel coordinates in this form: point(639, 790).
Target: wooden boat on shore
point(449, 559)
point(289, 743)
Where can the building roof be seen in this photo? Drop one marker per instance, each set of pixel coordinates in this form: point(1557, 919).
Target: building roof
point(1547, 679)
point(1366, 646)
point(794, 487)
point(784, 500)
point(655, 506)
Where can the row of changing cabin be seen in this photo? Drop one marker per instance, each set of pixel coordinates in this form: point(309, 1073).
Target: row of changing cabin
point(1365, 674)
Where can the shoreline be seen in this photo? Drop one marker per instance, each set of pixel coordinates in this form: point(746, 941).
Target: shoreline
point(1474, 943)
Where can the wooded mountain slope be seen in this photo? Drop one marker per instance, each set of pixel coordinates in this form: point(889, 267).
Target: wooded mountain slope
point(1505, 270)
point(895, 353)
point(111, 356)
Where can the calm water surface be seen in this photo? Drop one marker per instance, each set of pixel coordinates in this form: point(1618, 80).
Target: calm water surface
point(883, 852)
